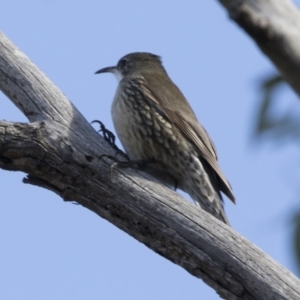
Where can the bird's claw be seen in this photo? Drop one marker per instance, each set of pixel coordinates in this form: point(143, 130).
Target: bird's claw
point(110, 138)
point(107, 134)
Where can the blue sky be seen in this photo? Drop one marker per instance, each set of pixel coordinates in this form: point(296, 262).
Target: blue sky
point(56, 250)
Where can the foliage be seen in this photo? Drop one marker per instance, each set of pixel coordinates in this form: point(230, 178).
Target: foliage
point(278, 126)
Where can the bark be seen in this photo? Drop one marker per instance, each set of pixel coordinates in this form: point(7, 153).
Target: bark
point(275, 27)
point(59, 151)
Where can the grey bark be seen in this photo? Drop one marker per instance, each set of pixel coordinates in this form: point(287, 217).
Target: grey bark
point(275, 27)
point(59, 151)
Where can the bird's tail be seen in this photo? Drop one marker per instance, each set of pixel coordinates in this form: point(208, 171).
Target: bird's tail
point(200, 183)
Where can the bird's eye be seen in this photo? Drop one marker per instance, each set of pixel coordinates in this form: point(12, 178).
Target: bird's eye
point(122, 63)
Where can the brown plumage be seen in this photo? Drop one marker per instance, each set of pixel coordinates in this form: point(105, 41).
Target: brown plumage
point(153, 119)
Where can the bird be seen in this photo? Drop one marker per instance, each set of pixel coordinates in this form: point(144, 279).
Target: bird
point(153, 120)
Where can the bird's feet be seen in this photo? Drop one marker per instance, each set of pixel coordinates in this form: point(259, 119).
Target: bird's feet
point(110, 138)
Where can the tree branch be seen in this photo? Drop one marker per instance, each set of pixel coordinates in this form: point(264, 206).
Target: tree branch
point(59, 150)
point(275, 27)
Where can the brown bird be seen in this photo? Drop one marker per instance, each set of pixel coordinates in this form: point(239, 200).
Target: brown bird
point(153, 120)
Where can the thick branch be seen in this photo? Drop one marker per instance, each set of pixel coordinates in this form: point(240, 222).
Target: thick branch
point(60, 151)
point(275, 26)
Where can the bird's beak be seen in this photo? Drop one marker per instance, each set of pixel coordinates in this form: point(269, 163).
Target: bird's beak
point(107, 70)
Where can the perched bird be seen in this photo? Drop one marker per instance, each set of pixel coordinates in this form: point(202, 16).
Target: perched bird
point(153, 120)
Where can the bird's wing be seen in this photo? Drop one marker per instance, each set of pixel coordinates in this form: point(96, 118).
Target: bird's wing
point(184, 118)
point(195, 132)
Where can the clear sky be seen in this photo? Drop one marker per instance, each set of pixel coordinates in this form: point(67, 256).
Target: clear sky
point(56, 250)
